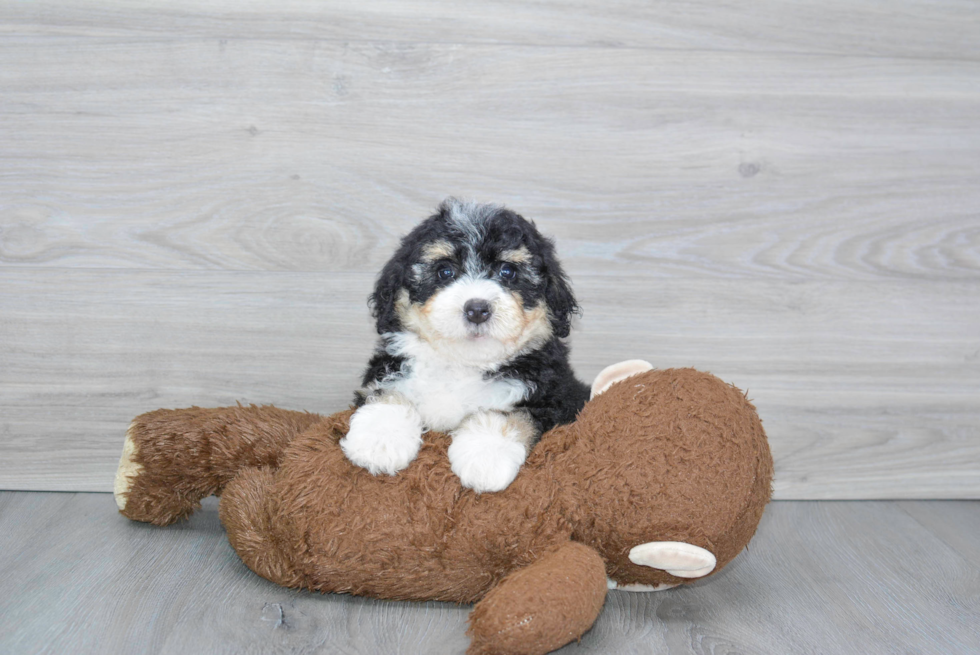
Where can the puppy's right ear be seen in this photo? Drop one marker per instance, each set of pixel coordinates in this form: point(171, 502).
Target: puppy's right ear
point(382, 301)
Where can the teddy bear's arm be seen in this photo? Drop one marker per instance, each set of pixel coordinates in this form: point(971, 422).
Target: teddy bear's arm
point(172, 458)
point(541, 607)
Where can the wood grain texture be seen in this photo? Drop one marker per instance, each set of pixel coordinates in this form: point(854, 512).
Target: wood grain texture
point(851, 409)
point(309, 156)
point(194, 201)
point(913, 28)
point(819, 577)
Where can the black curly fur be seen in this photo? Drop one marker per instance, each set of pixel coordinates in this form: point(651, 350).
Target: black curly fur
point(557, 396)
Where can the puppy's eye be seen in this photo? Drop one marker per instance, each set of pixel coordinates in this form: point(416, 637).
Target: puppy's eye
point(445, 272)
point(507, 271)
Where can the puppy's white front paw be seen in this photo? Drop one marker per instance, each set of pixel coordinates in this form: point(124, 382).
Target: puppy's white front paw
point(484, 453)
point(383, 438)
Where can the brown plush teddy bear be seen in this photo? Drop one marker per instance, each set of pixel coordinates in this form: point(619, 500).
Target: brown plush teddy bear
point(662, 479)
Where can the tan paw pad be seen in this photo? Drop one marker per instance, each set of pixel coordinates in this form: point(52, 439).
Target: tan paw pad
point(677, 558)
point(127, 471)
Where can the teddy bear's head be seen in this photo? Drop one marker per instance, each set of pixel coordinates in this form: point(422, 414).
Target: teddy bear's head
point(669, 462)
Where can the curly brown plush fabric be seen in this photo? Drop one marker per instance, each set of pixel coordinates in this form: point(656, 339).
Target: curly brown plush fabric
point(188, 454)
point(673, 455)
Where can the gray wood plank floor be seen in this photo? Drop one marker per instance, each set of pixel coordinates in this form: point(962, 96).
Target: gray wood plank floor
point(820, 577)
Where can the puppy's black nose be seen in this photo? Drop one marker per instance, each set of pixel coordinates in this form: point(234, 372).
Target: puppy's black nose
point(477, 311)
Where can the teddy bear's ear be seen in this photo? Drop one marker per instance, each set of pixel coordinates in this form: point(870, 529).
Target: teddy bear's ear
point(382, 301)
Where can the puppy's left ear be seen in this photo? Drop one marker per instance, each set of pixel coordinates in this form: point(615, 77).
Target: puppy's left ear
point(558, 294)
point(382, 301)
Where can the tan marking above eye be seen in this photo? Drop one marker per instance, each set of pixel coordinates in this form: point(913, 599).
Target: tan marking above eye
point(437, 250)
point(516, 256)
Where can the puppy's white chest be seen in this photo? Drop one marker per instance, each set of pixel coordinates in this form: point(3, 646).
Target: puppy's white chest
point(444, 395)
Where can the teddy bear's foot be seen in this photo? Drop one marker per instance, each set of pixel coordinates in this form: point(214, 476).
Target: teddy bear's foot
point(144, 490)
point(681, 560)
point(616, 372)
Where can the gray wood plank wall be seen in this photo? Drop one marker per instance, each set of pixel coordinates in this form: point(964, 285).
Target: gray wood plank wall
point(194, 203)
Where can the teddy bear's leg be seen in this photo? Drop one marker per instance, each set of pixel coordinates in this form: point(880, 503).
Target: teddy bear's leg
point(172, 459)
point(616, 372)
point(247, 508)
point(541, 607)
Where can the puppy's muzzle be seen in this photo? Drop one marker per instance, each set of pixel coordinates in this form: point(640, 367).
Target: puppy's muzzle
point(477, 311)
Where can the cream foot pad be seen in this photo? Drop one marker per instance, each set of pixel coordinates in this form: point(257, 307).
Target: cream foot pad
point(677, 558)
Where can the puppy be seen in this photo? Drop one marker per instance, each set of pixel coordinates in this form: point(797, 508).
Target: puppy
point(471, 310)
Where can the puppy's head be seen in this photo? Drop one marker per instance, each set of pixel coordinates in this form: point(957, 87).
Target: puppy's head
point(477, 282)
